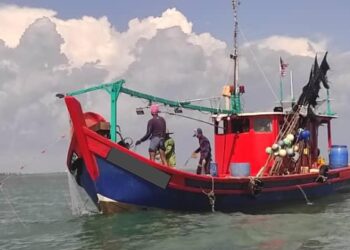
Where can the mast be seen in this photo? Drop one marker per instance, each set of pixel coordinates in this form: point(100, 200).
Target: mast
point(235, 96)
point(235, 45)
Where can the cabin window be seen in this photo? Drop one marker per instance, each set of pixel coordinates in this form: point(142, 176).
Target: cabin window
point(221, 127)
point(240, 125)
point(263, 125)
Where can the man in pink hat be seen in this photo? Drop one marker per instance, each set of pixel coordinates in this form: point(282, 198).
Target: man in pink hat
point(156, 131)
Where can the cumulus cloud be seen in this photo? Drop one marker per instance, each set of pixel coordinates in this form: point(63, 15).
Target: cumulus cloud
point(161, 55)
point(14, 20)
point(293, 46)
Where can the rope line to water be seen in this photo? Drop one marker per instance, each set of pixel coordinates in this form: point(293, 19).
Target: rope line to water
point(33, 158)
point(12, 207)
point(211, 195)
point(302, 191)
point(43, 151)
point(4, 180)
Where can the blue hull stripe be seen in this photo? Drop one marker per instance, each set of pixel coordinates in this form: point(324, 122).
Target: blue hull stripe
point(121, 185)
point(138, 168)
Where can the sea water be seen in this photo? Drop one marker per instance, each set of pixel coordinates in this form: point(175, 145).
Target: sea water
point(35, 213)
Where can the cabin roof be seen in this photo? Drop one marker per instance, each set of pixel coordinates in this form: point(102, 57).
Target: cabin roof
point(250, 114)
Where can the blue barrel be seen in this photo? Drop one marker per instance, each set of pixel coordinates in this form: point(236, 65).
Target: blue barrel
point(213, 169)
point(338, 156)
point(240, 169)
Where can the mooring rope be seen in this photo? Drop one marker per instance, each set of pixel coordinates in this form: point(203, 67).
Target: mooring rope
point(302, 191)
point(211, 195)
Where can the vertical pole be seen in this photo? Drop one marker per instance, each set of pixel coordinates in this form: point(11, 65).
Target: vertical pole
point(329, 111)
point(281, 91)
point(238, 103)
point(329, 134)
point(291, 88)
point(114, 98)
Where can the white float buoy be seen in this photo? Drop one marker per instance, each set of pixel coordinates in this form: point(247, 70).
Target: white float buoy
point(268, 150)
point(290, 137)
point(287, 142)
point(282, 152)
point(275, 147)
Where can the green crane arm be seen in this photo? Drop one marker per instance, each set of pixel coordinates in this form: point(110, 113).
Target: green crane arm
point(186, 105)
point(115, 88)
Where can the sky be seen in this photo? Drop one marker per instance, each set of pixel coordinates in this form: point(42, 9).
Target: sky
point(174, 49)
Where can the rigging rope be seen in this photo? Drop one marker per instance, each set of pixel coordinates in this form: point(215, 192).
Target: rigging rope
point(191, 118)
point(259, 67)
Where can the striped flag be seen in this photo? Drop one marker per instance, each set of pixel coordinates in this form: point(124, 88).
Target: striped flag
point(283, 68)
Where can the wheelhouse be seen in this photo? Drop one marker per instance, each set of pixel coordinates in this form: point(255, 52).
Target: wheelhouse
point(243, 138)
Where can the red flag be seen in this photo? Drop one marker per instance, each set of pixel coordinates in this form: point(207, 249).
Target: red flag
point(283, 68)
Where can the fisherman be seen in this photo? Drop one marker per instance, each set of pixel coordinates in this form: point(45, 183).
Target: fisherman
point(156, 129)
point(320, 160)
point(170, 149)
point(204, 150)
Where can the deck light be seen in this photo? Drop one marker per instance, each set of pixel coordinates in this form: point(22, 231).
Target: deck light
point(60, 95)
point(139, 111)
point(178, 110)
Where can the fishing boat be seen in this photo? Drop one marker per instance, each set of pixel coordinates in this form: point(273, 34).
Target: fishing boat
point(261, 158)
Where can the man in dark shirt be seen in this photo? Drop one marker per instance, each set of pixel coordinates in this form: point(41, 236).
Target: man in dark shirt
point(204, 150)
point(156, 129)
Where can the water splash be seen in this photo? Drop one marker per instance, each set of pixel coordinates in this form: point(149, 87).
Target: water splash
point(77, 203)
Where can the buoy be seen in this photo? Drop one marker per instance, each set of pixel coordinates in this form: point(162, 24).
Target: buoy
point(268, 150)
point(290, 151)
point(305, 135)
point(287, 142)
point(296, 148)
point(280, 143)
point(300, 131)
point(290, 137)
point(282, 152)
point(275, 147)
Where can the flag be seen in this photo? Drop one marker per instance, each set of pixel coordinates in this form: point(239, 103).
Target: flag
point(324, 67)
point(318, 74)
point(283, 68)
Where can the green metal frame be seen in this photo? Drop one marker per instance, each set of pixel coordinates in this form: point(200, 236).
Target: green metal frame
point(329, 110)
point(115, 88)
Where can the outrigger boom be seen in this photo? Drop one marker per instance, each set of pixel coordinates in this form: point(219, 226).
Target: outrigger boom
point(115, 88)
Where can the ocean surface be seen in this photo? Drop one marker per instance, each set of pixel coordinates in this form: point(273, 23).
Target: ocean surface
point(36, 213)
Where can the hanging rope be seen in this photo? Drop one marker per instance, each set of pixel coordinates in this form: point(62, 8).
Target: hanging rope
point(211, 195)
point(304, 194)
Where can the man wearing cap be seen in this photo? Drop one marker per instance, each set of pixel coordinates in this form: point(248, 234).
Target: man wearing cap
point(156, 129)
point(204, 150)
